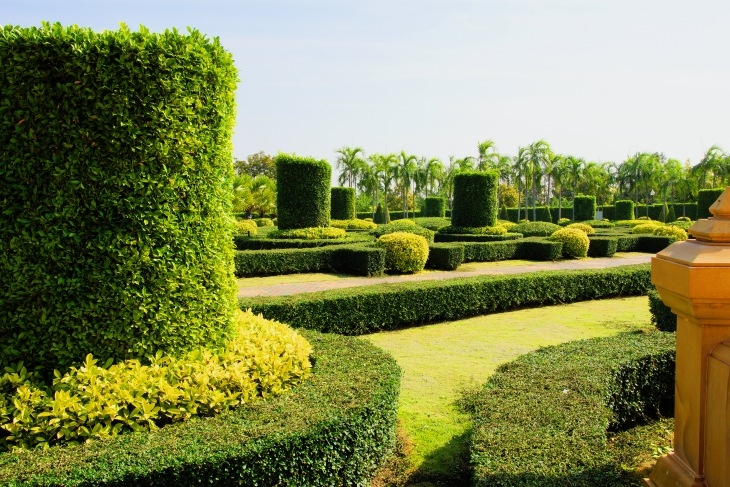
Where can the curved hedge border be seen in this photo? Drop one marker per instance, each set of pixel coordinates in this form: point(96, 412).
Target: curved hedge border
point(333, 430)
point(356, 311)
point(543, 419)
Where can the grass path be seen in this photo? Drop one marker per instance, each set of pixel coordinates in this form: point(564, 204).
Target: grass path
point(439, 361)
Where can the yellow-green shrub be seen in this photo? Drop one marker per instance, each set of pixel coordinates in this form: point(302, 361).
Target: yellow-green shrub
point(404, 252)
point(646, 228)
point(507, 225)
point(246, 227)
point(583, 227)
point(671, 231)
point(310, 233)
point(403, 221)
point(264, 222)
point(264, 358)
point(355, 224)
point(575, 242)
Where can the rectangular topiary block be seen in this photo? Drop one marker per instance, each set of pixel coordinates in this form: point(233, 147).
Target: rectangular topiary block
point(445, 256)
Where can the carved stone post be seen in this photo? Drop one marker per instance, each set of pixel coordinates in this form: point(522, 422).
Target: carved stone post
point(693, 278)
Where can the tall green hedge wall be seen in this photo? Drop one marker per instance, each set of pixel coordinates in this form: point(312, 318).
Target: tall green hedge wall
point(343, 203)
point(475, 199)
point(115, 237)
point(624, 210)
point(705, 199)
point(585, 208)
point(435, 206)
point(303, 192)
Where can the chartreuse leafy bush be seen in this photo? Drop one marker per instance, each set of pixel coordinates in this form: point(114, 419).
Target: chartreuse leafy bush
point(646, 227)
point(435, 207)
point(585, 208)
point(433, 223)
point(115, 234)
point(624, 210)
point(545, 418)
point(246, 227)
point(535, 229)
point(404, 252)
point(264, 358)
point(343, 203)
point(475, 199)
point(303, 192)
point(403, 226)
point(670, 231)
point(705, 199)
point(355, 311)
point(354, 224)
point(583, 227)
point(264, 222)
point(309, 233)
point(491, 230)
point(335, 428)
point(661, 314)
point(575, 242)
point(262, 242)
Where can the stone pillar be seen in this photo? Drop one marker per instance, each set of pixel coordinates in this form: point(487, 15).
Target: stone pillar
point(693, 278)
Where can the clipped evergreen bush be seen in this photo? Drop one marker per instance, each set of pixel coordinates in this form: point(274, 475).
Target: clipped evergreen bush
point(661, 315)
point(585, 208)
point(705, 199)
point(575, 241)
point(602, 246)
point(535, 229)
point(343, 203)
point(445, 256)
point(355, 224)
point(671, 231)
point(381, 216)
point(583, 227)
point(647, 227)
point(435, 206)
point(404, 252)
point(475, 199)
point(264, 222)
point(303, 192)
point(246, 227)
point(624, 210)
point(115, 234)
point(403, 226)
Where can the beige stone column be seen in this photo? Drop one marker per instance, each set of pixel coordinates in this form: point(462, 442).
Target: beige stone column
point(693, 278)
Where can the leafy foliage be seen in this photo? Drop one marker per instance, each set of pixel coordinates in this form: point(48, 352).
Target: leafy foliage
point(312, 233)
point(705, 199)
point(543, 419)
point(575, 242)
point(493, 230)
point(382, 216)
point(445, 256)
point(661, 315)
point(583, 227)
point(358, 260)
point(303, 198)
point(432, 223)
point(343, 203)
point(535, 229)
point(624, 210)
point(671, 231)
point(403, 226)
point(475, 199)
point(647, 227)
point(354, 224)
point(115, 236)
point(246, 227)
point(404, 252)
point(435, 207)
point(585, 208)
point(601, 246)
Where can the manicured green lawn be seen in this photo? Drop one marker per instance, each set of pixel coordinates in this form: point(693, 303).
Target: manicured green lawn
point(439, 361)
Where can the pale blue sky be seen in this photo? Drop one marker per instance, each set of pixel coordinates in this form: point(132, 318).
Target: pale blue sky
point(599, 79)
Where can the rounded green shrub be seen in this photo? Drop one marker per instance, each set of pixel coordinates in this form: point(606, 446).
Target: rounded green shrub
point(354, 224)
point(583, 227)
point(433, 223)
point(264, 222)
point(670, 231)
point(343, 203)
point(404, 252)
point(535, 229)
point(303, 192)
point(623, 210)
point(403, 221)
point(475, 199)
point(684, 219)
point(683, 224)
point(246, 227)
point(403, 226)
point(115, 234)
point(435, 207)
point(575, 242)
point(507, 225)
point(585, 208)
point(646, 228)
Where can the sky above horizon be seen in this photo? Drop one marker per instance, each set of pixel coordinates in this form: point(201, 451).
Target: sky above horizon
point(597, 79)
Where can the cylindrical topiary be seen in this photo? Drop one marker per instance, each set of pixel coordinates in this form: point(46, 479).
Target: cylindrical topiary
point(404, 252)
point(115, 234)
point(303, 192)
point(585, 208)
point(575, 242)
point(705, 199)
point(624, 210)
point(435, 206)
point(343, 203)
point(475, 199)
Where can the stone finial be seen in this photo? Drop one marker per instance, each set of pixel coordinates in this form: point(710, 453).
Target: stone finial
point(715, 229)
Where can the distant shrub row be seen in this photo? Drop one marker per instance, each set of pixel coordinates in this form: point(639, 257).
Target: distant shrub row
point(333, 429)
point(543, 419)
point(356, 311)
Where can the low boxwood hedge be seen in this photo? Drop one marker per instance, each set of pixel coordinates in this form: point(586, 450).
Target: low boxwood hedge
point(242, 242)
point(334, 429)
point(355, 311)
point(470, 237)
point(643, 243)
point(359, 260)
point(531, 248)
point(543, 419)
point(661, 314)
point(601, 246)
point(445, 256)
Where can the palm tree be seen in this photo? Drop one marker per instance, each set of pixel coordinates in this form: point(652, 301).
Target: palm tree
point(711, 162)
point(369, 184)
point(537, 155)
point(404, 171)
point(486, 157)
point(575, 168)
point(560, 173)
point(384, 165)
point(520, 169)
point(434, 172)
point(350, 164)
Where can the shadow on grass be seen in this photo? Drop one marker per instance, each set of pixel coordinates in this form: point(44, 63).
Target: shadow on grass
point(446, 467)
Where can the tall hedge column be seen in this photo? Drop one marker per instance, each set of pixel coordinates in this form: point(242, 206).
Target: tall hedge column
point(114, 228)
point(343, 203)
point(475, 199)
point(303, 192)
point(693, 278)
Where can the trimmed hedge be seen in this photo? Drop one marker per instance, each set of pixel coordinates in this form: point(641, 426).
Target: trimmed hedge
point(403, 226)
point(435, 206)
point(543, 419)
point(475, 199)
point(303, 192)
point(359, 260)
point(343, 203)
point(602, 246)
point(624, 210)
point(355, 311)
point(705, 199)
point(445, 256)
point(241, 242)
point(661, 315)
point(536, 229)
point(115, 236)
point(470, 237)
point(381, 216)
point(585, 208)
point(643, 243)
point(334, 429)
